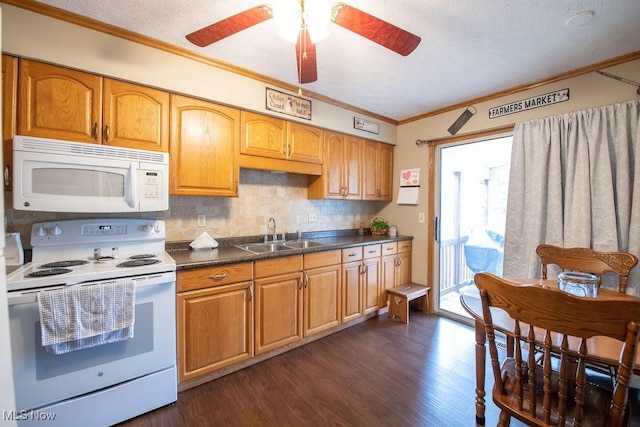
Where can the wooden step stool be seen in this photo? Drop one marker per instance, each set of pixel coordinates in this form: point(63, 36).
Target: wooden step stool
point(400, 296)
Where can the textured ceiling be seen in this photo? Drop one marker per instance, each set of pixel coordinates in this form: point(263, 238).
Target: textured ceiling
point(469, 49)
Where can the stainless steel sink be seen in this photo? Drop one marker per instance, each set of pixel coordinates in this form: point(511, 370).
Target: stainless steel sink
point(262, 248)
point(303, 244)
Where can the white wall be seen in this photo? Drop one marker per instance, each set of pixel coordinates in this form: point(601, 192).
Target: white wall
point(588, 90)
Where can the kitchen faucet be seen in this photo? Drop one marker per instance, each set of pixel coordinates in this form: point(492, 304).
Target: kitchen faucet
point(275, 234)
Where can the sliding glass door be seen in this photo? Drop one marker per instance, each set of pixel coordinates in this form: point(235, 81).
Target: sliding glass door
point(471, 208)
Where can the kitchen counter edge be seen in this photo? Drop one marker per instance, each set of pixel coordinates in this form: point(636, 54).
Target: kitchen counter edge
point(187, 258)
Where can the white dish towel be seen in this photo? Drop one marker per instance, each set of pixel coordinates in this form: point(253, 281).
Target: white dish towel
point(77, 317)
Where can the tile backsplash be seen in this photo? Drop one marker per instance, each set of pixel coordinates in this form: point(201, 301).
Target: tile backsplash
point(262, 195)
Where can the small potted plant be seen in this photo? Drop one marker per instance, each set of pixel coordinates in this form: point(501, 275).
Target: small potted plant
point(379, 226)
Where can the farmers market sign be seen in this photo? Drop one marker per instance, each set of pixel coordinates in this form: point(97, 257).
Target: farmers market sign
point(530, 103)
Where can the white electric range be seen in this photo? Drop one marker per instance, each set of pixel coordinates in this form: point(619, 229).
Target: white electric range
point(109, 383)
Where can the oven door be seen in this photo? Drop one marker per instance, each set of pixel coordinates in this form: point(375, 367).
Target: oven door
point(42, 378)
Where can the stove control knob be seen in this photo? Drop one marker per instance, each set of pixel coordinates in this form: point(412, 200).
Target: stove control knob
point(56, 231)
point(148, 228)
point(41, 232)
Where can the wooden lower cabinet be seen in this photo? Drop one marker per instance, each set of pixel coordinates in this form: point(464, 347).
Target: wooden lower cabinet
point(230, 313)
point(352, 271)
point(278, 302)
point(372, 279)
point(321, 291)
point(215, 328)
point(395, 265)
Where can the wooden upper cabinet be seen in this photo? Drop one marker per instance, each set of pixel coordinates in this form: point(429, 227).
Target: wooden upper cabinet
point(204, 148)
point(263, 136)
point(135, 116)
point(304, 143)
point(9, 100)
point(352, 168)
point(377, 174)
point(341, 169)
point(59, 103)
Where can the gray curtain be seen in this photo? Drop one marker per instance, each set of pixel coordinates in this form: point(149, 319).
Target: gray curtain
point(575, 182)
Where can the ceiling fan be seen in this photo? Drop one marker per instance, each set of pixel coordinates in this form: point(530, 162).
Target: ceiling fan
point(350, 18)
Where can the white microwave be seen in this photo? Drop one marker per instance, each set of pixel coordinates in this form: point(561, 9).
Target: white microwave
point(61, 176)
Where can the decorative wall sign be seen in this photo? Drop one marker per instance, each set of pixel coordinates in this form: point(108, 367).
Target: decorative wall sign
point(530, 103)
point(366, 125)
point(288, 104)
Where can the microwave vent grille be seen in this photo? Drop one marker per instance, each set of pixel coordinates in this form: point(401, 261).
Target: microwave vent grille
point(42, 145)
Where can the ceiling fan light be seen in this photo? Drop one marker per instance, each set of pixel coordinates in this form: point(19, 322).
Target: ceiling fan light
point(289, 32)
point(287, 15)
point(317, 33)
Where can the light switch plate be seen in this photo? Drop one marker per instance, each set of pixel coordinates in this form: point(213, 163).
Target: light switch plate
point(422, 217)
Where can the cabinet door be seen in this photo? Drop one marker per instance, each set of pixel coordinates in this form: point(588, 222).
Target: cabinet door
point(403, 269)
point(321, 299)
point(304, 143)
point(388, 275)
point(377, 172)
point(384, 171)
point(215, 328)
point(370, 171)
point(352, 167)
point(135, 116)
point(59, 103)
point(9, 100)
point(278, 311)
point(263, 136)
point(371, 285)
point(204, 148)
point(352, 291)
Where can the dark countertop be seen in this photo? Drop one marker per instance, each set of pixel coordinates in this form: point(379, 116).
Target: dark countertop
point(227, 253)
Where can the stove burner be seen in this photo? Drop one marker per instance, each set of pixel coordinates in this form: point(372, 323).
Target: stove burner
point(70, 263)
point(50, 272)
point(142, 256)
point(138, 262)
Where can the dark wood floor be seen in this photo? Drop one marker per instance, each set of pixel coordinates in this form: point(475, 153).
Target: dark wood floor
point(378, 373)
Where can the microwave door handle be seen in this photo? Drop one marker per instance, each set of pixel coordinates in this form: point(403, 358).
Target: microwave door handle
point(132, 200)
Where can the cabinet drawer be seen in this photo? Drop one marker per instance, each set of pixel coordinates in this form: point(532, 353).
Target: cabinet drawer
point(277, 266)
point(205, 277)
point(322, 259)
point(404, 246)
point(352, 254)
point(372, 251)
point(389, 248)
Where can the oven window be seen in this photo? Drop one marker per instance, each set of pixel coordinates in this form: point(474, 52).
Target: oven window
point(50, 365)
point(77, 182)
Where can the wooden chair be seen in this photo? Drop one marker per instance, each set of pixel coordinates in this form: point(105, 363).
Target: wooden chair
point(560, 323)
point(589, 261)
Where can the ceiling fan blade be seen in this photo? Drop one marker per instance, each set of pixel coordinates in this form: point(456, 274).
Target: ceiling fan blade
point(231, 25)
point(306, 58)
point(374, 29)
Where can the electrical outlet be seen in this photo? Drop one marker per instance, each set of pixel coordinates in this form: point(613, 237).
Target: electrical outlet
point(358, 217)
point(422, 217)
point(202, 220)
point(312, 217)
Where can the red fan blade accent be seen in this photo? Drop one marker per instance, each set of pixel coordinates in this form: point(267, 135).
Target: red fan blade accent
point(374, 29)
point(306, 58)
point(231, 25)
